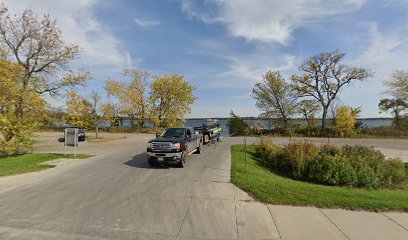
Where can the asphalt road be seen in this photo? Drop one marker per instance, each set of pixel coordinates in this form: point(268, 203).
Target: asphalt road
point(116, 195)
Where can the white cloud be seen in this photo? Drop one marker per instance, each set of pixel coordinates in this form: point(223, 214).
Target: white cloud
point(385, 51)
point(146, 23)
point(381, 50)
point(265, 20)
point(79, 25)
point(192, 11)
point(245, 72)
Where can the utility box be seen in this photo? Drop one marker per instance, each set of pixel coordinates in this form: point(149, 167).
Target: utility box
point(71, 137)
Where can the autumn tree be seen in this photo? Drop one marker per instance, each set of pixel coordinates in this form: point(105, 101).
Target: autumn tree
point(43, 58)
point(110, 112)
point(274, 96)
point(170, 100)
point(16, 133)
point(97, 114)
point(79, 111)
point(396, 106)
point(131, 95)
point(38, 47)
point(324, 76)
point(54, 117)
point(346, 118)
point(397, 103)
point(309, 108)
point(397, 86)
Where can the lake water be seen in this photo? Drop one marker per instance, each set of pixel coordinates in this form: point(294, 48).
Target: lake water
point(368, 122)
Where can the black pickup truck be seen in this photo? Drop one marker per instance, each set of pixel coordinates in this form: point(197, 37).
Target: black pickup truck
point(173, 146)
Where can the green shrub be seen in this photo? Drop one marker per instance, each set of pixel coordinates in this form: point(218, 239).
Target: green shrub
point(237, 126)
point(366, 176)
point(393, 172)
point(321, 169)
point(331, 170)
point(329, 149)
point(269, 155)
point(347, 175)
point(356, 166)
point(362, 151)
point(296, 156)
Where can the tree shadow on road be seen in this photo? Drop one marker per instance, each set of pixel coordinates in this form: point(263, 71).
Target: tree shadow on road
point(140, 161)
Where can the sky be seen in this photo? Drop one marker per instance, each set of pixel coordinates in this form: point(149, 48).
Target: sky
point(223, 47)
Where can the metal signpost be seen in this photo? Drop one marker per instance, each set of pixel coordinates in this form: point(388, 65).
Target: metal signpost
point(71, 139)
point(245, 152)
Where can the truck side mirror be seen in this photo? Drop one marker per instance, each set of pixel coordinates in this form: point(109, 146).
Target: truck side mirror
point(157, 135)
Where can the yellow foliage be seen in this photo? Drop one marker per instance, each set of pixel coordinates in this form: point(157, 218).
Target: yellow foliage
point(110, 113)
point(15, 131)
point(131, 95)
point(346, 120)
point(170, 99)
point(79, 111)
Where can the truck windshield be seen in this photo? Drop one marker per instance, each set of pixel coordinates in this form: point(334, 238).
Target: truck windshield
point(173, 133)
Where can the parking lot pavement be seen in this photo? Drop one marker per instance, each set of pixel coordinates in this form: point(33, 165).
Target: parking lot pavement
point(116, 195)
point(48, 142)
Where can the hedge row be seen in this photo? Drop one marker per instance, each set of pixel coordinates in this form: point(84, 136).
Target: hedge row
point(356, 166)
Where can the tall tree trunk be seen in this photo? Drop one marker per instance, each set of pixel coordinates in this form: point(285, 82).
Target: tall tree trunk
point(20, 99)
point(324, 115)
point(397, 119)
point(285, 122)
point(143, 117)
point(96, 131)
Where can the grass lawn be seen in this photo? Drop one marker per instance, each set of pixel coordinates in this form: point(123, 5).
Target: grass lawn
point(31, 162)
point(272, 188)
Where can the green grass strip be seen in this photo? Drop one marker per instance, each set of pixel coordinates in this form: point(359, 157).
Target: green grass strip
point(268, 187)
point(31, 162)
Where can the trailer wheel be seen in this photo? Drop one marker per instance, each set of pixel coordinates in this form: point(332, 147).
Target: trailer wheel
point(206, 138)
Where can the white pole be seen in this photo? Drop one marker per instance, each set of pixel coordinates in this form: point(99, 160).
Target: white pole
point(245, 150)
point(65, 142)
point(75, 142)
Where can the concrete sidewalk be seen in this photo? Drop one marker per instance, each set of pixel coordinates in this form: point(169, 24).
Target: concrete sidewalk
point(289, 222)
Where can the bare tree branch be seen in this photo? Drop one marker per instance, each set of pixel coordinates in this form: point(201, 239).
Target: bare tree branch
point(329, 78)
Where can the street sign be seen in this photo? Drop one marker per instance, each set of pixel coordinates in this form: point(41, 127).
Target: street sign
point(71, 137)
